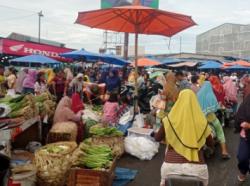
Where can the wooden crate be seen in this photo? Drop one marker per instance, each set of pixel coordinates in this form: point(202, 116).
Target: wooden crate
point(88, 177)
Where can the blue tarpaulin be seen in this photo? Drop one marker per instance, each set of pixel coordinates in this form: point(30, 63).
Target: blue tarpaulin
point(211, 65)
point(82, 54)
point(94, 57)
point(110, 59)
point(123, 176)
point(35, 59)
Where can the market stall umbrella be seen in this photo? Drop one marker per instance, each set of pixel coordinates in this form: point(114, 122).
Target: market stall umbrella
point(35, 59)
point(145, 62)
point(82, 54)
point(237, 67)
point(114, 60)
point(239, 62)
point(211, 65)
point(136, 19)
point(184, 64)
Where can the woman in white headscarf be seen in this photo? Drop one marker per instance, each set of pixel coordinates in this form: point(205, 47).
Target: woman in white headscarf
point(20, 78)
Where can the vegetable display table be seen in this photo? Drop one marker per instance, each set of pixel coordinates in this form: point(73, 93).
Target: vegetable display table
point(29, 130)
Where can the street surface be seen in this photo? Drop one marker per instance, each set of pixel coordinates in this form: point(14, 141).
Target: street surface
point(222, 173)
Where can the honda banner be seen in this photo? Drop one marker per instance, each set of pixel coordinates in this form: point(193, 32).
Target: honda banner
point(20, 48)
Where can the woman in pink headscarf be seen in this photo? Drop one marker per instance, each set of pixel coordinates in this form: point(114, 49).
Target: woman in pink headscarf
point(65, 113)
point(230, 93)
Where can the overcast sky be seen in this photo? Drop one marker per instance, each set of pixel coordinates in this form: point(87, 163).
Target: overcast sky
point(59, 15)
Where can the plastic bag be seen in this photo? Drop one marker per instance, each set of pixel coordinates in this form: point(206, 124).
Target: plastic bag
point(126, 117)
point(89, 114)
point(139, 121)
point(141, 147)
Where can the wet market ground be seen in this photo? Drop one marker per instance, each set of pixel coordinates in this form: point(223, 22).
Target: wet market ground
point(222, 173)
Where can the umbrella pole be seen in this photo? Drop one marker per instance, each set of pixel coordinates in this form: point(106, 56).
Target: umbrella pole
point(136, 71)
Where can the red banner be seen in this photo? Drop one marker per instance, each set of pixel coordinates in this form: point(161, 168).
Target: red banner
point(20, 48)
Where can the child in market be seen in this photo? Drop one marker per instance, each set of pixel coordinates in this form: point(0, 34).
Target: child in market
point(110, 110)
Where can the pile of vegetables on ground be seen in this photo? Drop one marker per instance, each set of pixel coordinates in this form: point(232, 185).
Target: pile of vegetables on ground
point(96, 157)
point(27, 106)
point(104, 131)
point(97, 108)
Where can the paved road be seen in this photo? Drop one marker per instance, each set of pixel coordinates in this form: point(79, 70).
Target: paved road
point(222, 173)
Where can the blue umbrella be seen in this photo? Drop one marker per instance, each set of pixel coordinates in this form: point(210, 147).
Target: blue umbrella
point(167, 61)
point(211, 65)
point(79, 54)
point(210, 62)
point(110, 59)
point(35, 59)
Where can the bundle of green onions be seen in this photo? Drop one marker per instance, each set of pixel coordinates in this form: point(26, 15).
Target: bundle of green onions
point(28, 106)
point(96, 157)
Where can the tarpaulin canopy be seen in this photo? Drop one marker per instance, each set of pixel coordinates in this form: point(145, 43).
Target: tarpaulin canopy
point(94, 57)
point(82, 54)
point(184, 64)
point(237, 67)
point(239, 62)
point(166, 61)
point(210, 62)
point(35, 59)
point(145, 62)
point(211, 65)
point(111, 59)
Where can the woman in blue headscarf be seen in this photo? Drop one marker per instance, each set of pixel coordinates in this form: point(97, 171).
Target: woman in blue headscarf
point(113, 82)
point(209, 106)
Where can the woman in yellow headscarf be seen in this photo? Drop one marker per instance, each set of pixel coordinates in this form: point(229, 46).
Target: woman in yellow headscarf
point(186, 131)
point(202, 79)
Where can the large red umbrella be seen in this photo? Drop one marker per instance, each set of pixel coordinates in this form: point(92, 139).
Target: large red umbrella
point(136, 19)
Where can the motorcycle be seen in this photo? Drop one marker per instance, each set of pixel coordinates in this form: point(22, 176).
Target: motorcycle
point(145, 93)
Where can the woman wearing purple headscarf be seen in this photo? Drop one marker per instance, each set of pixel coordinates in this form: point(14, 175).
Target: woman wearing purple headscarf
point(29, 81)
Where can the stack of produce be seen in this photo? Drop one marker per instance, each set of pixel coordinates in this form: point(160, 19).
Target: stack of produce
point(88, 124)
point(46, 104)
point(53, 162)
point(105, 131)
point(21, 106)
point(97, 108)
point(108, 136)
point(27, 106)
point(98, 157)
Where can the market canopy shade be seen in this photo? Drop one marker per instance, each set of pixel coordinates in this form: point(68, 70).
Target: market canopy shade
point(82, 54)
point(94, 57)
point(35, 59)
point(239, 62)
point(211, 65)
point(136, 19)
point(184, 64)
point(114, 60)
point(145, 62)
point(237, 67)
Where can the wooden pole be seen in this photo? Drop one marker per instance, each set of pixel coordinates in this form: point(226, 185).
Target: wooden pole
point(136, 70)
point(126, 41)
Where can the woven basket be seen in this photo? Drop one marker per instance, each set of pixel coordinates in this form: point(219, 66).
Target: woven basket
point(115, 143)
point(52, 169)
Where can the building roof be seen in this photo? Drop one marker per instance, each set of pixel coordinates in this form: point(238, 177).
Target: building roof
point(219, 27)
point(26, 38)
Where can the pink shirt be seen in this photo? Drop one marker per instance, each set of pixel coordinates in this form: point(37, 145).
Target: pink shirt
point(110, 112)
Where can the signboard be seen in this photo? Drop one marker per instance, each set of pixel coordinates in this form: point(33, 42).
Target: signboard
point(113, 3)
point(20, 48)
